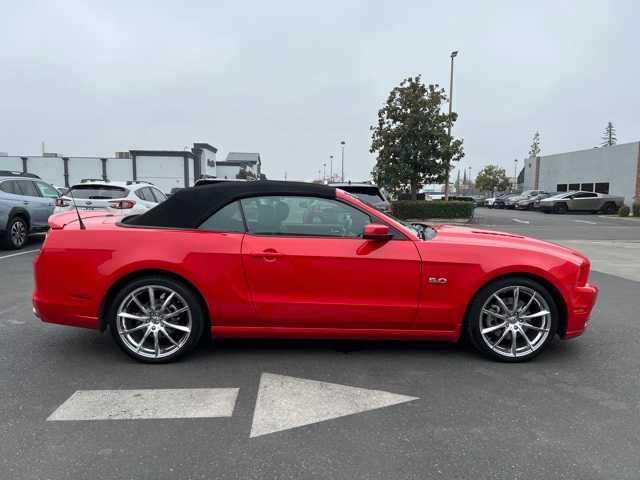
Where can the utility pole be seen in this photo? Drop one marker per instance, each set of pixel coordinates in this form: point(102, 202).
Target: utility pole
point(324, 172)
point(342, 144)
point(448, 166)
point(515, 175)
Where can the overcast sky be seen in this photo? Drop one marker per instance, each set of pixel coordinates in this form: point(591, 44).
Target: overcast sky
point(292, 79)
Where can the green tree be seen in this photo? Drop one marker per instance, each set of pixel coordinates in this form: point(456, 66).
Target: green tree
point(492, 179)
point(609, 136)
point(411, 140)
point(535, 150)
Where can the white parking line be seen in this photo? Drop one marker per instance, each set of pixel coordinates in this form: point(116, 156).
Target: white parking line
point(147, 404)
point(526, 222)
point(19, 253)
point(586, 221)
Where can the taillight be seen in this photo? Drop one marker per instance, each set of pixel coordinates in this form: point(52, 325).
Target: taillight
point(122, 204)
point(61, 202)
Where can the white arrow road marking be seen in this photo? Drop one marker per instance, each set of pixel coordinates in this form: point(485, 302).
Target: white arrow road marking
point(527, 222)
point(288, 402)
point(586, 221)
point(147, 404)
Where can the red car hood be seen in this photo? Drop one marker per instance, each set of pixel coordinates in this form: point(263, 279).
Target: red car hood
point(478, 236)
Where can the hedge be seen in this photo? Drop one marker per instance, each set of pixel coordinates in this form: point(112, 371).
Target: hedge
point(420, 209)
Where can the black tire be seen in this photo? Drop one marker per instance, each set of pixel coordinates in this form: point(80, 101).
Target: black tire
point(184, 291)
point(609, 208)
point(473, 319)
point(560, 208)
point(12, 239)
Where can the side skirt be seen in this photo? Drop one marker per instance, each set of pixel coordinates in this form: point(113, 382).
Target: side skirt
point(332, 333)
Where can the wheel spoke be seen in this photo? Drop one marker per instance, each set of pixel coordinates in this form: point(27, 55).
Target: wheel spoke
point(140, 306)
point(504, 334)
point(176, 313)
point(152, 298)
point(534, 327)
point(135, 329)
point(156, 343)
point(140, 318)
point(182, 328)
point(144, 338)
point(165, 304)
point(501, 303)
point(493, 328)
point(514, 342)
point(541, 313)
point(524, 334)
point(526, 307)
point(516, 296)
point(494, 314)
point(169, 337)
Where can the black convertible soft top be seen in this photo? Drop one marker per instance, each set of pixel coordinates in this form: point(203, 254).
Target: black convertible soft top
point(190, 207)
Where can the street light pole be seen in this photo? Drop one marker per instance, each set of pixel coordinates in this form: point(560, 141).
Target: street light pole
point(324, 172)
point(448, 165)
point(515, 175)
point(342, 144)
point(331, 168)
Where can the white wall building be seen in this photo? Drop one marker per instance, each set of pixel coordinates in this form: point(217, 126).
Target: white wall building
point(613, 169)
point(237, 161)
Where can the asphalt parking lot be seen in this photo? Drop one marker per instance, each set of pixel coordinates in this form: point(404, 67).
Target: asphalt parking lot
point(384, 410)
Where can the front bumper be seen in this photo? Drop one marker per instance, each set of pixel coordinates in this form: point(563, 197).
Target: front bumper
point(579, 308)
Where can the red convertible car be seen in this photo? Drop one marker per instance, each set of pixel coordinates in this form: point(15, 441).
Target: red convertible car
point(297, 260)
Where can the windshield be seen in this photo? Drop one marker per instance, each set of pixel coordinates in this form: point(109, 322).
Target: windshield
point(97, 192)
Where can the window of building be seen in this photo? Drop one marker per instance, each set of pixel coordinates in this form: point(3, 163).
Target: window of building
point(227, 219)
point(574, 186)
point(561, 187)
point(602, 187)
point(586, 187)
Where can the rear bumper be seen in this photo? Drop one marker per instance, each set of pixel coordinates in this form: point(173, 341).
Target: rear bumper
point(579, 309)
point(68, 313)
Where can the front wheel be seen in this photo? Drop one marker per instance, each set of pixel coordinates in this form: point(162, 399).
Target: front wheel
point(156, 319)
point(512, 319)
point(16, 234)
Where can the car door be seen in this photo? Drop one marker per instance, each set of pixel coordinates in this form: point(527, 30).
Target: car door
point(34, 203)
point(48, 194)
point(584, 201)
point(308, 267)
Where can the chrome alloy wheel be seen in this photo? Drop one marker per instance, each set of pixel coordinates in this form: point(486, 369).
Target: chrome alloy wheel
point(154, 321)
point(18, 233)
point(515, 321)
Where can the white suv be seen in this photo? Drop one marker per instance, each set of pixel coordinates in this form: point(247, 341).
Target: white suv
point(118, 198)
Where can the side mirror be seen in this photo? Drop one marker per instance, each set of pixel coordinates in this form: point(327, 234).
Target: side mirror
point(375, 231)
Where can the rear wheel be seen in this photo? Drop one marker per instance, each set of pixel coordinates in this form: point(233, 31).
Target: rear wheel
point(512, 320)
point(16, 233)
point(156, 319)
point(609, 208)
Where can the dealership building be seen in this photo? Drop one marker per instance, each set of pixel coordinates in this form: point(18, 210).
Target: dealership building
point(166, 169)
point(611, 169)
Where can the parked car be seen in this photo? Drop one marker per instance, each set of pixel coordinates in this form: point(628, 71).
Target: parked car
point(513, 200)
point(253, 259)
point(118, 198)
point(367, 192)
point(582, 202)
point(500, 202)
point(25, 205)
point(533, 202)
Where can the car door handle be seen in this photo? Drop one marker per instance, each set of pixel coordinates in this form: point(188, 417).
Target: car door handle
point(24, 202)
point(269, 254)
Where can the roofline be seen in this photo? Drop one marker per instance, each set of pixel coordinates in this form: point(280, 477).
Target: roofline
point(587, 149)
point(162, 153)
point(205, 145)
point(237, 163)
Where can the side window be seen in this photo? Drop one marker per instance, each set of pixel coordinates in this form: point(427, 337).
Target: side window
point(227, 219)
point(305, 216)
point(585, 195)
point(9, 187)
point(28, 188)
point(145, 194)
point(159, 196)
point(47, 190)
